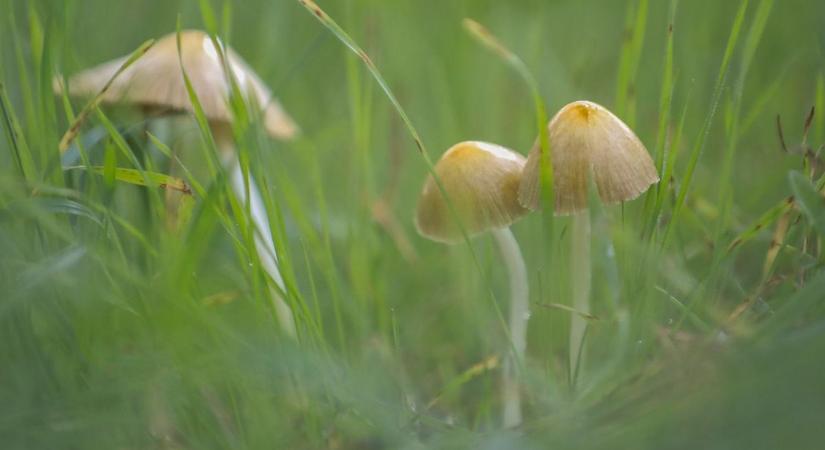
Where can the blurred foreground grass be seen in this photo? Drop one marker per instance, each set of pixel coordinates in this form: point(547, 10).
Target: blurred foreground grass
point(119, 333)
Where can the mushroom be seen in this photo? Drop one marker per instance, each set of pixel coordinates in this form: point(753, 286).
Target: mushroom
point(481, 181)
point(155, 82)
point(587, 141)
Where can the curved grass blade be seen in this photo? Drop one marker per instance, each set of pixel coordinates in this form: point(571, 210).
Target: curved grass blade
point(665, 112)
point(819, 131)
point(74, 128)
point(140, 178)
point(761, 223)
point(570, 309)
point(777, 242)
point(487, 364)
point(20, 150)
point(163, 148)
point(794, 307)
point(751, 43)
point(42, 273)
point(487, 39)
point(350, 43)
point(69, 207)
point(811, 202)
point(629, 62)
point(702, 139)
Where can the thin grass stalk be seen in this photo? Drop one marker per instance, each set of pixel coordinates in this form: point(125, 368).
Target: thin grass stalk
point(702, 138)
point(665, 112)
point(751, 44)
point(345, 39)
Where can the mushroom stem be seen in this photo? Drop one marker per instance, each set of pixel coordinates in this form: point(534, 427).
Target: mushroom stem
point(580, 269)
point(519, 314)
point(263, 237)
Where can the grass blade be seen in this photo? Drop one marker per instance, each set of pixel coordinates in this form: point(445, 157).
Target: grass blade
point(665, 107)
point(701, 141)
point(749, 49)
point(764, 221)
point(342, 36)
point(140, 178)
point(629, 62)
point(487, 39)
point(17, 142)
point(811, 202)
point(74, 128)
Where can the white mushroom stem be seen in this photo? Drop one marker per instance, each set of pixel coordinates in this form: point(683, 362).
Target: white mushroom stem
point(580, 270)
point(263, 237)
point(519, 314)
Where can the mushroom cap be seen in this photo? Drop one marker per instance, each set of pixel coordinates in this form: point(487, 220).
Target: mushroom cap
point(588, 140)
point(481, 180)
point(156, 80)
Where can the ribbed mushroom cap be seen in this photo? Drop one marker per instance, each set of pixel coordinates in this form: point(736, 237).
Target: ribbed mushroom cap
point(156, 80)
point(481, 180)
point(588, 140)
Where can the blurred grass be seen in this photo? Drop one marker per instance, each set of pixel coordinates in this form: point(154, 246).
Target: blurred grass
point(120, 332)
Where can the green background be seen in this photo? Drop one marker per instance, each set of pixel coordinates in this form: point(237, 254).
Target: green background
point(117, 332)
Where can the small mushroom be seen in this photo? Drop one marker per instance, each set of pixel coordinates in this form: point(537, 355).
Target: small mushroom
point(587, 142)
point(155, 82)
point(481, 181)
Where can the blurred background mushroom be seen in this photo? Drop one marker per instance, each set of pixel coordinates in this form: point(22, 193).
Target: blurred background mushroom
point(156, 84)
point(481, 182)
point(587, 143)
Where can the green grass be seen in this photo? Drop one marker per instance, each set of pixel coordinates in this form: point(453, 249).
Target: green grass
point(118, 330)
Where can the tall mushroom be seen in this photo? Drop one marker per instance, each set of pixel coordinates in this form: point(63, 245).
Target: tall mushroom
point(155, 82)
point(481, 181)
point(587, 141)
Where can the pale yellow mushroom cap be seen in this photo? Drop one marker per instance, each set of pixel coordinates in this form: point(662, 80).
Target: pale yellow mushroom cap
point(156, 80)
point(481, 180)
point(587, 140)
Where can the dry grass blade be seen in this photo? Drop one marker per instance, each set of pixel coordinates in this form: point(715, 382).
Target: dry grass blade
point(350, 43)
point(807, 128)
point(488, 40)
point(486, 365)
point(383, 214)
point(569, 309)
point(141, 178)
point(483, 35)
point(345, 38)
point(74, 128)
point(781, 134)
point(809, 199)
point(776, 244)
point(764, 221)
point(342, 36)
point(704, 133)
